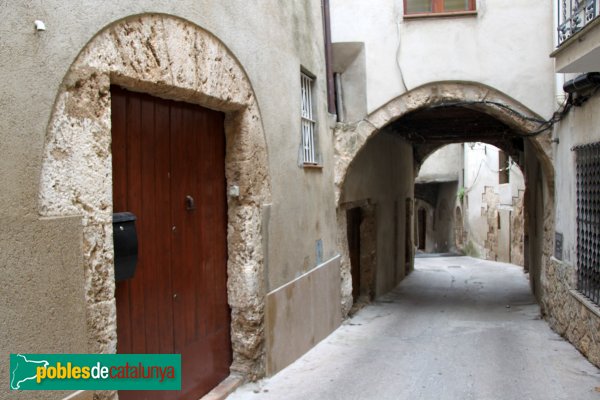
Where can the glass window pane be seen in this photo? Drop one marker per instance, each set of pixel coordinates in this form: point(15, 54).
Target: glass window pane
point(456, 5)
point(418, 6)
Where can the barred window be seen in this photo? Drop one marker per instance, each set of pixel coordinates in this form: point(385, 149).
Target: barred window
point(588, 220)
point(308, 147)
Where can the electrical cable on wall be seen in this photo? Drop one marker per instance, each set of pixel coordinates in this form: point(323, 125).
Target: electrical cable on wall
point(467, 190)
point(544, 125)
point(398, 22)
point(483, 161)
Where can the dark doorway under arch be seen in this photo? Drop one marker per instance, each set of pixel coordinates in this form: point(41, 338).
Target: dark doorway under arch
point(422, 228)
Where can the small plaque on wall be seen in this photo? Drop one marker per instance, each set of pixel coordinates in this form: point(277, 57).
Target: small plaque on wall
point(558, 245)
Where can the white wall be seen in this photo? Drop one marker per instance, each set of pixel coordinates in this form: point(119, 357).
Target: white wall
point(481, 171)
point(444, 165)
point(503, 46)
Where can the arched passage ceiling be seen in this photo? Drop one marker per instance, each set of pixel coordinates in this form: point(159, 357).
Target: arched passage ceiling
point(434, 127)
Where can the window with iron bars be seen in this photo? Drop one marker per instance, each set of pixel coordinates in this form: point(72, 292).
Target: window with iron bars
point(588, 220)
point(308, 149)
point(574, 15)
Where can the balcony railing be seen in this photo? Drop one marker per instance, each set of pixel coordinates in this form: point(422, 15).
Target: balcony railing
point(573, 15)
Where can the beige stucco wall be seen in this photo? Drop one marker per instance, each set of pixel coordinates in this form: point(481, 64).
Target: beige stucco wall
point(270, 40)
point(443, 236)
point(271, 50)
point(42, 296)
point(302, 313)
point(382, 174)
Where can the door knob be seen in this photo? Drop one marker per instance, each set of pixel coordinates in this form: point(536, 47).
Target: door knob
point(190, 205)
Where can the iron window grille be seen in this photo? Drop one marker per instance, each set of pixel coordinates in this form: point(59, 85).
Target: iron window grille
point(574, 15)
point(309, 150)
point(588, 220)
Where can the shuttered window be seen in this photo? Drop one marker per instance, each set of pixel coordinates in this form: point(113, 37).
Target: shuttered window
point(437, 6)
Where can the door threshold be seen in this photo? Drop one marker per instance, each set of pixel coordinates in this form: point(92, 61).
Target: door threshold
point(225, 388)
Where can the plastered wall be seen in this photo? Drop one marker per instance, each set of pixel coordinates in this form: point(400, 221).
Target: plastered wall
point(382, 174)
point(271, 41)
point(570, 313)
point(403, 52)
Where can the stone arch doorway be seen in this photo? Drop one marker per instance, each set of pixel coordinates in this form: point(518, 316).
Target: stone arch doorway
point(515, 133)
point(171, 58)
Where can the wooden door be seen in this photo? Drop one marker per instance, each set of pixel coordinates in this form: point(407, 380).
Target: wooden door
point(353, 221)
point(169, 170)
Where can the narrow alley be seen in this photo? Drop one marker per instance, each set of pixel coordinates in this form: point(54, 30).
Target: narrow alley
point(456, 328)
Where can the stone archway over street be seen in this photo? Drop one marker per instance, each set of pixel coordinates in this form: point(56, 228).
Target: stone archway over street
point(512, 127)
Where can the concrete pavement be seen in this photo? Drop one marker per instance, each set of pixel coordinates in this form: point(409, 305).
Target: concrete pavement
point(456, 328)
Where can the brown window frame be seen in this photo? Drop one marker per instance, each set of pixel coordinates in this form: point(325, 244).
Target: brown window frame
point(437, 8)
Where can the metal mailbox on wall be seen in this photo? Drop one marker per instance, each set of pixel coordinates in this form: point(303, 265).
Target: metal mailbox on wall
point(126, 245)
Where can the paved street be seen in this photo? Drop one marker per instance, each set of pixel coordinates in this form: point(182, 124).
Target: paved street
point(457, 328)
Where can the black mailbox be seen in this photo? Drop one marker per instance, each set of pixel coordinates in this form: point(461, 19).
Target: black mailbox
point(126, 245)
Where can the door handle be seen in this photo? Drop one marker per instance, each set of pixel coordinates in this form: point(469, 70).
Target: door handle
point(190, 205)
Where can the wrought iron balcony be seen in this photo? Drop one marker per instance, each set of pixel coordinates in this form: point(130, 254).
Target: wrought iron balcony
point(573, 15)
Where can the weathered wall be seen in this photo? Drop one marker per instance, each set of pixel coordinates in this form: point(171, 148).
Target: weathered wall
point(478, 159)
point(302, 313)
point(444, 165)
point(349, 62)
point(444, 218)
point(568, 312)
point(266, 45)
point(579, 127)
point(489, 204)
point(368, 252)
point(440, 223)
point(539, 220)
point(491, 220)
point(462, 48)
point(382, 174)
point(517, 227)
point(49, 271)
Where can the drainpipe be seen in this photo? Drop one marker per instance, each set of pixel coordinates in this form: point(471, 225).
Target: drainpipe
point(339, 98)
point(328, 57)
